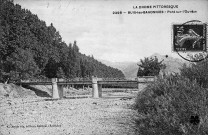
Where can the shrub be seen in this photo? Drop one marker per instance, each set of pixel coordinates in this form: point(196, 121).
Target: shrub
point(196, 71)
point(172, 106)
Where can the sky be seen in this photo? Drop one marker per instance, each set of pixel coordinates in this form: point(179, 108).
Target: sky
point(116, 37)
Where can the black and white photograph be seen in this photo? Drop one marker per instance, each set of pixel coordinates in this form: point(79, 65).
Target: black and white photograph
point(103, 67)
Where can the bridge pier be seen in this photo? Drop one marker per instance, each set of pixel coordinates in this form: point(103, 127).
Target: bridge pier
point(57, 90)
point(96, 88)
point(100, 90)
point(61, 91)
point(95, 93)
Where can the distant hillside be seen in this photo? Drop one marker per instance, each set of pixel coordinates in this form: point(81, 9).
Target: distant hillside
point(30, 49)
point(118, 65)
point(172, 64)
point(130, 68)
point(130, 71)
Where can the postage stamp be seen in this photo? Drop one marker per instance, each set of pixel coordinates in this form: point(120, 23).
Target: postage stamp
point(189, 40)
point(189, 37)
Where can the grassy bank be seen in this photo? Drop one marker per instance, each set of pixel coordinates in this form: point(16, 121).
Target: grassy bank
point(173, 105)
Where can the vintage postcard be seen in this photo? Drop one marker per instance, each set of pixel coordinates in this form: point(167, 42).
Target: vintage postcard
point(103, 67)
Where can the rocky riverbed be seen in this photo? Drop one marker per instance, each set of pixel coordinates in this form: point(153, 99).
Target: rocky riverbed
point(110, 115)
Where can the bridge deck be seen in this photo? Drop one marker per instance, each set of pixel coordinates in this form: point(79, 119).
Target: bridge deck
point(84, 82)
point(78, 82)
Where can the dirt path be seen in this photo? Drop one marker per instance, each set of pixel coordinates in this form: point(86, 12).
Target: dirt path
point(106, 116)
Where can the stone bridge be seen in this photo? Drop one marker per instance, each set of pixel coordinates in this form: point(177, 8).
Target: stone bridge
point(96, 83)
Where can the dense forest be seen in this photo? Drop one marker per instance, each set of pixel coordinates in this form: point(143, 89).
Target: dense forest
point(31, 49)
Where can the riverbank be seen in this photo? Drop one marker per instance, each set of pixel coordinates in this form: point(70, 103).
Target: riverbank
point(110, 115)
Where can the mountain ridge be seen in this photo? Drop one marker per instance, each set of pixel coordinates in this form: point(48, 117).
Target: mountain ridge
point(130, 68)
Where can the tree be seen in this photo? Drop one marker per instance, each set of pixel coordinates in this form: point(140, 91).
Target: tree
point(60, 73)
point(22, 64)
point(150, 67)
point(75, 47)
point(51, 69)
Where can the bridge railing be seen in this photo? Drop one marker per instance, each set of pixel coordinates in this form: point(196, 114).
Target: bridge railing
point(37, 80)
point(72, 79)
